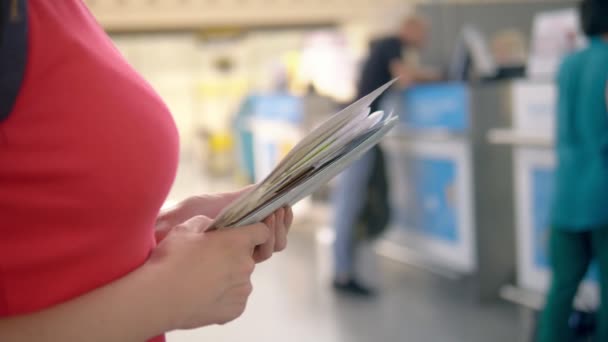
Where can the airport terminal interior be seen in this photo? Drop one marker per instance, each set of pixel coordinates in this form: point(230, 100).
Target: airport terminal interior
point(468, 171)
point(469, 166)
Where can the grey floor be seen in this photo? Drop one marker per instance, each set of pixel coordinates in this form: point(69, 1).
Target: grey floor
point(292, 299)
point(293, 302)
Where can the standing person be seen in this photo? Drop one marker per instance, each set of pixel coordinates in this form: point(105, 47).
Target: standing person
point(88, 153)
point(580, 213)
point(351, 196)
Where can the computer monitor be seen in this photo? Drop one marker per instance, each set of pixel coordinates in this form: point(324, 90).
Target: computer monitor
point(471, 54)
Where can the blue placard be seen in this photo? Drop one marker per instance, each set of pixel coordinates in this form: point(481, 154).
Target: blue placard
point(542, 192)
point(244, 137)
point(278, 107)
point(440, 106)
point(430, 208)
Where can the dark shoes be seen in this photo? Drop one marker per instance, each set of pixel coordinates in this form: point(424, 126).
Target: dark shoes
point(353, 287)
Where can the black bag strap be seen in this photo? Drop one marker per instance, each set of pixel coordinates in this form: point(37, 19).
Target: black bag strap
point(13, 52)
point(2, 20)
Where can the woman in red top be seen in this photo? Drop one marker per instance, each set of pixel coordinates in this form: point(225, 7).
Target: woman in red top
point(88, 153)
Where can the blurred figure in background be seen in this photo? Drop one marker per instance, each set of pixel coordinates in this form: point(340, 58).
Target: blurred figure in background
point(317, 109)
point(580, 213)
point(361, 196)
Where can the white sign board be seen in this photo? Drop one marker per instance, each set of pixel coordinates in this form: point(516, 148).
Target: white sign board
point(554, 35)
point(534, 109)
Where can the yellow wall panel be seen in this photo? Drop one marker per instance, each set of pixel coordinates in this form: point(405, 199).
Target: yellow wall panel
point(188, 14)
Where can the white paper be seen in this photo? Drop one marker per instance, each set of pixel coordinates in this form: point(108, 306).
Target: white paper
point(320, 156)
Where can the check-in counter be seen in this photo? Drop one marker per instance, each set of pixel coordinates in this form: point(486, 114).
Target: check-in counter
point(429, 162)
point(450, 213)
point(531, 137)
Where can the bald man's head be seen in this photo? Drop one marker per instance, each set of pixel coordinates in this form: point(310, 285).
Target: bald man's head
point(414, 31)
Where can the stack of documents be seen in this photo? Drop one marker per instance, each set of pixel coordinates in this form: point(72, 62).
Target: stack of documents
point(315, 160)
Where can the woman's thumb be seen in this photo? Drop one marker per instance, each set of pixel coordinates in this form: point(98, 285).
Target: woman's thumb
point(197, 224)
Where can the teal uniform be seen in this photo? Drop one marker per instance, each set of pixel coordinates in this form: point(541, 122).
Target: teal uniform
point(579, 217)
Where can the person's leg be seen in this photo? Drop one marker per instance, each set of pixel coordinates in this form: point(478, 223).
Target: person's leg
point(570, 255)
point(599, 240)
point(349, 198)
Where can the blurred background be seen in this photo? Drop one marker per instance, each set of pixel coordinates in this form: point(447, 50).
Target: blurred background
point(470, 167)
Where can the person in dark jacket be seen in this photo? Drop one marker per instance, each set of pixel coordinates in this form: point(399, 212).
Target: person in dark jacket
point(385, 62)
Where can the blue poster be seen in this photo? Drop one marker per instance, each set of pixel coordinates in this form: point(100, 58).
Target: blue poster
point(270, 107)
point(430, 207)
point(542, 192)
point(278, 107)
point(439, 106)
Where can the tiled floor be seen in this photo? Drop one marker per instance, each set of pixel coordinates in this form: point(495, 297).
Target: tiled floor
point(293, 302)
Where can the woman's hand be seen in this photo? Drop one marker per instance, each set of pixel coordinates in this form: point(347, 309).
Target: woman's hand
point(211, 205)
point(208, 273)
point(207, 205)
point(192, 279)
point(279, 223)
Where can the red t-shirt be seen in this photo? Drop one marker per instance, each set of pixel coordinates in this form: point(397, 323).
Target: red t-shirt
point(87, 157)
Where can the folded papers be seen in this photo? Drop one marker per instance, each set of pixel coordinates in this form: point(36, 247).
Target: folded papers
point(315, 160)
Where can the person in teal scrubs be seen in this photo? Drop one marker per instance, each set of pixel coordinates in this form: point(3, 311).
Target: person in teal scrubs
point(579, 219)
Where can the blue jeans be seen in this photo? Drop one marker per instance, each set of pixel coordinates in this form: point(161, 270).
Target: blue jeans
point(348, 199)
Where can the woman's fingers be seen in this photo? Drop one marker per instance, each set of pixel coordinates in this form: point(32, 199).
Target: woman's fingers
point(281, 231)
point(196, 223)
point(288, 217)
point(278, 223)
point(209, 205)
point(215, 203)
point(264, 251)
